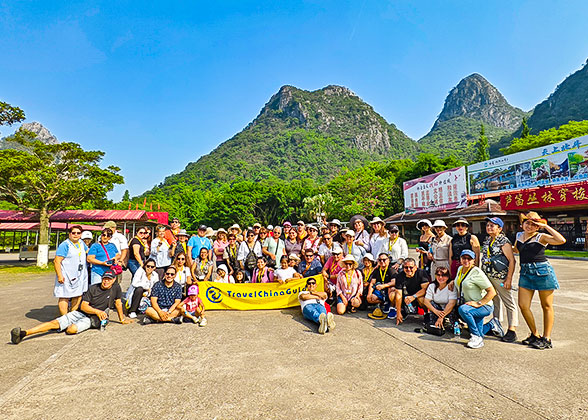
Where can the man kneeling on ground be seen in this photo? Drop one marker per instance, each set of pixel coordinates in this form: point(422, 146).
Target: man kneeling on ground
point(410, 288)
point(312, 304)
point(166, 296)
point(96, 302)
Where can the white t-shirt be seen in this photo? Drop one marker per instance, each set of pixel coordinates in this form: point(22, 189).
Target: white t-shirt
point(440, 297)
point(303, 303)
point(285, 273)
point(120, 241)
point(182, 276)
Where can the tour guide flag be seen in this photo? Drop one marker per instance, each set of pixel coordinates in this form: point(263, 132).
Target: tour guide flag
point(247, 296)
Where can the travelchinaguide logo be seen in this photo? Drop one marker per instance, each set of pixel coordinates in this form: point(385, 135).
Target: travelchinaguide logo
point(214, 295)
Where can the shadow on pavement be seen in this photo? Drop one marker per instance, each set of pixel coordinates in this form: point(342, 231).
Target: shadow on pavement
point(44, 314)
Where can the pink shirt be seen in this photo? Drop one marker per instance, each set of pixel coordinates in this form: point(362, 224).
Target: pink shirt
point(332, 268)
point(311, 244)
point(355, 283)
point(192, 305)
point(219, 249)
point(267, 276)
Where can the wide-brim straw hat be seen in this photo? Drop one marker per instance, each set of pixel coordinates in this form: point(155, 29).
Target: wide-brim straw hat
point(378, 314)
point(376, 220)
point(346, 259)
point(532, 216)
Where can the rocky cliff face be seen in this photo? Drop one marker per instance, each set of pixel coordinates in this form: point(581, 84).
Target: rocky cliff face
point(336, 111)
point(474, 101)
point(474, 97)
point(302, 134)
point(569, 102)
point(42, 133)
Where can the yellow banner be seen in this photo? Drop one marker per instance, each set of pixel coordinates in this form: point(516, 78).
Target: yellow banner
point(248, 296)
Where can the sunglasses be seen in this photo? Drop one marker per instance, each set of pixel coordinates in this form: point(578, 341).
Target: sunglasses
point(106, 234)
point(76, 233)
point(382, 259)
point(310, 283)
point(181, 259)
point(348, 263)
point(460, 225)
point(149, 266)
point(410, 268)
point(170, 274)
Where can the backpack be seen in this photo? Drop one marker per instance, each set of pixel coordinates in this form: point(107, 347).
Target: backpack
point(251, 259)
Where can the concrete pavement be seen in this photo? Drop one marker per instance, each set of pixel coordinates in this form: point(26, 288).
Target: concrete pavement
point(273, 364)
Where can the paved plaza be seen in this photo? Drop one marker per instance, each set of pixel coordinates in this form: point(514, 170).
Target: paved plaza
point(273, 365)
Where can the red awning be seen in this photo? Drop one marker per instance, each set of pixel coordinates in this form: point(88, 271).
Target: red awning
point(71, 216)
point(12, 226)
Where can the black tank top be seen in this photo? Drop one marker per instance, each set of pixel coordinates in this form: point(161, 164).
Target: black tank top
point(460, 243)
point(530, 251)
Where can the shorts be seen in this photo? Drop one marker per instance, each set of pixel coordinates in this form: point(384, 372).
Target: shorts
point(79, 319)
point(380, 294)
point(538, 276)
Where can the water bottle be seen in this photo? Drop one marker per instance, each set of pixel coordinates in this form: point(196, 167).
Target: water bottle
point(513, 288)
point(409, 306)
point(456, 329)
point(103, 323)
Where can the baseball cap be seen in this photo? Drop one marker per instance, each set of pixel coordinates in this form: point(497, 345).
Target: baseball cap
point(468, 253)
point(193, 290)
point(496, 220)
point(86, 234)
point(287, 223)
point(202, 227)
point(393, 228)
point(110, 224)
point(109, 274)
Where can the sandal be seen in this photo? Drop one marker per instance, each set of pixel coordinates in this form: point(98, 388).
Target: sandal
point(353, 309)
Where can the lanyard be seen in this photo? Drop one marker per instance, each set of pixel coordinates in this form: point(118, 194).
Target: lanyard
point(260, 274)
point(461, 277)
point(490, 246)
point(383, 276)
point(366, 277)
point(184, 246)
point(393, 243)
point(145, 249)
point(348, 278)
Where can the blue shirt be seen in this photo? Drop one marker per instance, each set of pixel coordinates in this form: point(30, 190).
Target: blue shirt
point(315, 268)
point(197, 243)
point(98, 252)
point(166, 296)
point(64, 247)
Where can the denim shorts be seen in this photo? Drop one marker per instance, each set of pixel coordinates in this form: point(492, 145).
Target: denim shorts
point(538, 276)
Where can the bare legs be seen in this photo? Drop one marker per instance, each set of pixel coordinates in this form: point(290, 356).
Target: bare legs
point(546, 298)
point(63, 304)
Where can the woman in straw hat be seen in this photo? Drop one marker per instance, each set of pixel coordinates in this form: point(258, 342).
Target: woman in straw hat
point(537, 275)
point(349, 286)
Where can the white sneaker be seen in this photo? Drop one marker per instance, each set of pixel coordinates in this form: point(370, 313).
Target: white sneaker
point(203, 322)
point(322, 323)
point(132, 315)
point(476, 342)
point(330, 321)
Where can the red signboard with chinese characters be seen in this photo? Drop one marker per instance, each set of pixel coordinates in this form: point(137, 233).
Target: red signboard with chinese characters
point(550, 196)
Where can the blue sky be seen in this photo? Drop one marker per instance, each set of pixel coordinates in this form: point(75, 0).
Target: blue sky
point(158, 84)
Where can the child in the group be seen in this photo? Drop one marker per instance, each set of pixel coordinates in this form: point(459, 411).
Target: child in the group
point(239, 277)
point(192, 308)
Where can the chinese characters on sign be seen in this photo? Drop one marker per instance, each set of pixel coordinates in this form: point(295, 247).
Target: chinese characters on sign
point(550, 196)
point(559, 163)
point(441, 191)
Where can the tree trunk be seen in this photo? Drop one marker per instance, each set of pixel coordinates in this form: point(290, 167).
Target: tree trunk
point(43, 250)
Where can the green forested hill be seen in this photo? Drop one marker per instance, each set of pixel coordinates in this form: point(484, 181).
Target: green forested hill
point(474, 101)
point(301, 134)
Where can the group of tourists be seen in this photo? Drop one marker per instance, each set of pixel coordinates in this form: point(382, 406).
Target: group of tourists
point(364, 267)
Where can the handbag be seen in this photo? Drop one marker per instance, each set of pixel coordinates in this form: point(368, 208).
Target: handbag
point(499, 262)
point(116, 269)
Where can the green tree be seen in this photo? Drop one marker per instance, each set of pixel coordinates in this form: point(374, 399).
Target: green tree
point(567, 131)
point(525, 133)
point(126, 196)
point(45, 178)
point(482, 147)
point(10, 114)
